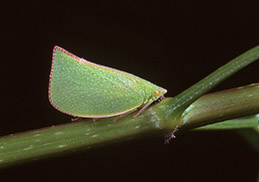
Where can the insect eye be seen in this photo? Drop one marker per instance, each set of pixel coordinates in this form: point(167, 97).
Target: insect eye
point(155, 92)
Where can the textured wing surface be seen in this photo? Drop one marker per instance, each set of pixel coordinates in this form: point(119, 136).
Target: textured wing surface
point(81, 88)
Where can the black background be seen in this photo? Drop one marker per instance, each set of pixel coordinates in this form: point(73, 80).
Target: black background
point(173, 44)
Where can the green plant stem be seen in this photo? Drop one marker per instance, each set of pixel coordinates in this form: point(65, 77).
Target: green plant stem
point(188, 96)
point(85, 134)
point(218, 106)
point(247, 122)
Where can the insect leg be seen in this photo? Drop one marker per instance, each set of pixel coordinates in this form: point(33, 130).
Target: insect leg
point(142, 109)
point(123, 115)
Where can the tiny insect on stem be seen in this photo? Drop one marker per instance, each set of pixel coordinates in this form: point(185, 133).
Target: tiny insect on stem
point(170, 135)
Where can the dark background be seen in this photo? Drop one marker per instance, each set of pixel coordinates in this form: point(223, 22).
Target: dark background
point(173, 44)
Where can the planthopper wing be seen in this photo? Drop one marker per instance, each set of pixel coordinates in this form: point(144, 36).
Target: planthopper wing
point(81, 88)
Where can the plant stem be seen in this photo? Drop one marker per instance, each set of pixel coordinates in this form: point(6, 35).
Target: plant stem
point(247, 122)
point(188, 96)
point(215, 107)
point(85, 134)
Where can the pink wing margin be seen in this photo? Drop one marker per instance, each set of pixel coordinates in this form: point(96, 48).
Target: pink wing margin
point(51, 72)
